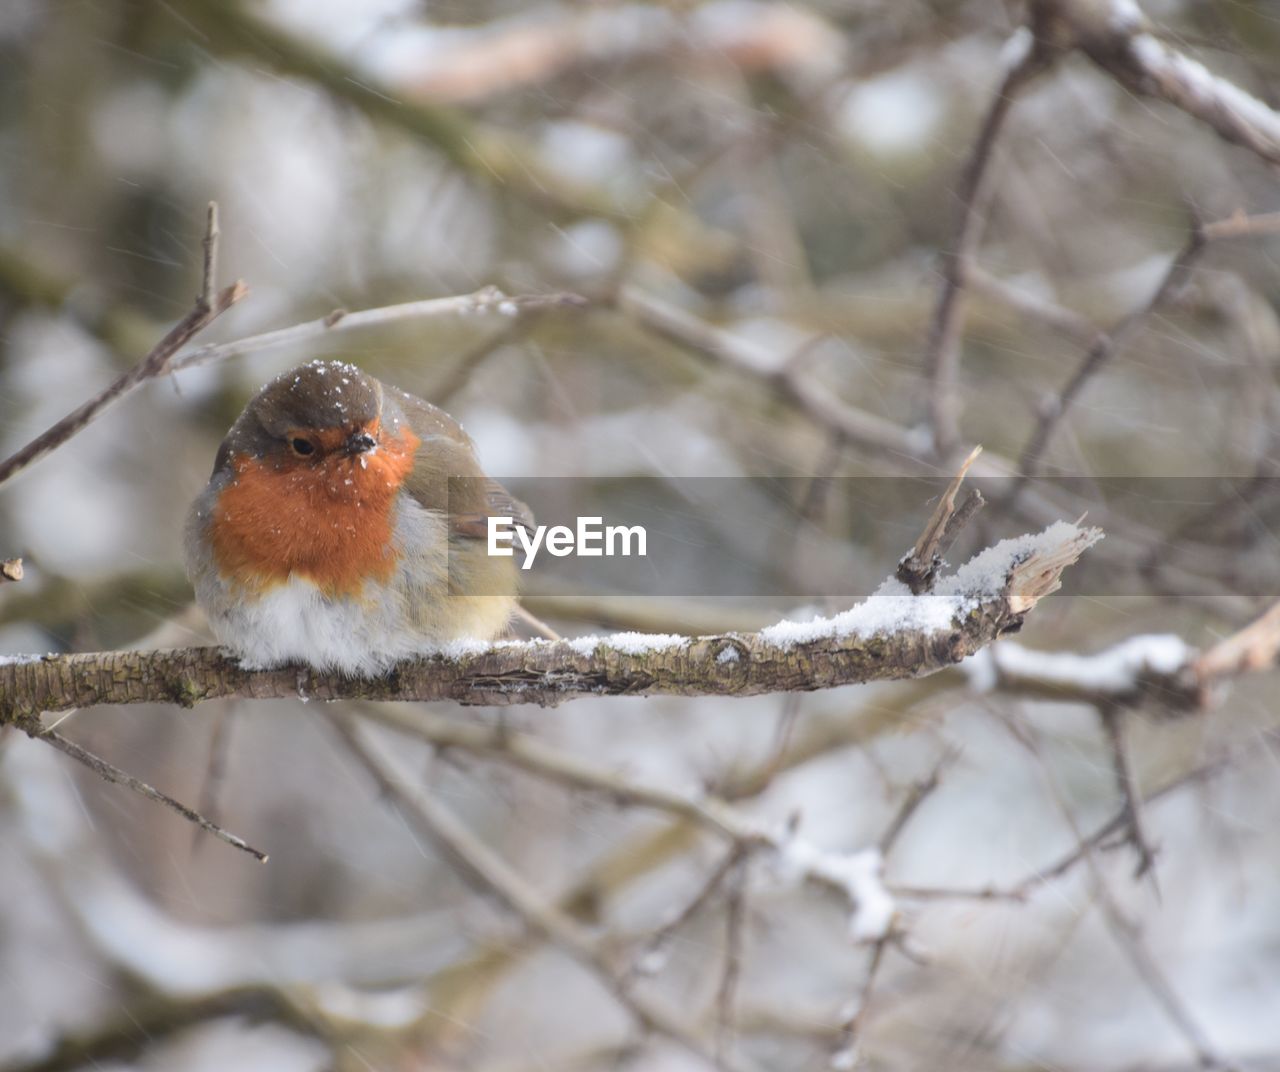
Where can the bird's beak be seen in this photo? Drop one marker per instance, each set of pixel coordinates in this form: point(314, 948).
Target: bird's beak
point(360, 442)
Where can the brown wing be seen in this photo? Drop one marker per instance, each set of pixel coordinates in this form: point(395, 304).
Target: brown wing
point(447, 476)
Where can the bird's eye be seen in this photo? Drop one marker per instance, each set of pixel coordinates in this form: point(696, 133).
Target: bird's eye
point(302, 446)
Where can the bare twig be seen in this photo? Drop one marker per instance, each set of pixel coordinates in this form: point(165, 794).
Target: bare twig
point(1123, 930)
point(536, 624)
point(917, 795)
point(1027, 57)
point(1240, 225)
point(846, 1052)
point(726, 994)
point(525, 752)
point(1104, 348)
point(1042, 876)
point(919, 569)
point(1122, 762)
point(1056, 317)
point(105, 770)
point(487, 300)
point(483, 866)
point(1252, 649)
point(209, 289)
point(208, 307)
point(652, 950)
point(866, 430)
point(216, 764)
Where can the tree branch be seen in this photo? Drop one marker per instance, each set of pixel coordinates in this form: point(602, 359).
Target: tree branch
point(490, 872)
point(208, 307)
point(1160, 670)
point(866, 430)
point(1025, 58)
point(103, 769)
point(486, 300)
point(1117, 37)
point(919, 568)
point(1102, 350)
point(889, 637)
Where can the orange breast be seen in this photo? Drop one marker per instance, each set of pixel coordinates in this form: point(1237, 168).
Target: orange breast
point(329, 521)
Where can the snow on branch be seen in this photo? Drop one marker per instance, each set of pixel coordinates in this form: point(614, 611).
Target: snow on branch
point(858, 876)
point(1118, 38)
point(892, 635)
point(1158, 670)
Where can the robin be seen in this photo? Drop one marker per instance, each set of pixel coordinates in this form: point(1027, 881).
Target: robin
point(332, 534)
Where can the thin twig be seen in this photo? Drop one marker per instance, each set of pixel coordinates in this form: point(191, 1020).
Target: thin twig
point(156, 363)
point(486, 300)
point(428, 816)
point(655, 944)
point(1240, 225)
point(917, 795)
point(787, 719)
point(1254, 648)
point(1122, 762)
point(846, 1053)
point(1123, 930)
point(536, 624)
point(919, 569)
point(216, 764)
point(526, 752)
point(114, 774)
point(1112, 826)
point(735, 915)
point(208, 292)
point(1056, 317)
point(866, 430)
point(944, 893)
point(942, 352)
point(1105, 347)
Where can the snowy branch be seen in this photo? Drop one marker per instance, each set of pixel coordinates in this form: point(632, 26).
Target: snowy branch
point(1157, 670)
point(893, 635)
point(1117, 37)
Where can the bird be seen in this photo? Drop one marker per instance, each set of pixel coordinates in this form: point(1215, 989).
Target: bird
point(344, 528)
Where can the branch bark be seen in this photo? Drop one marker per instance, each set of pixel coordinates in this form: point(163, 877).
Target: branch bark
point(924, 634)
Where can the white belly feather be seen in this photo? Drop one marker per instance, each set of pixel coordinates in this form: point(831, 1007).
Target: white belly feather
point(362, 635)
